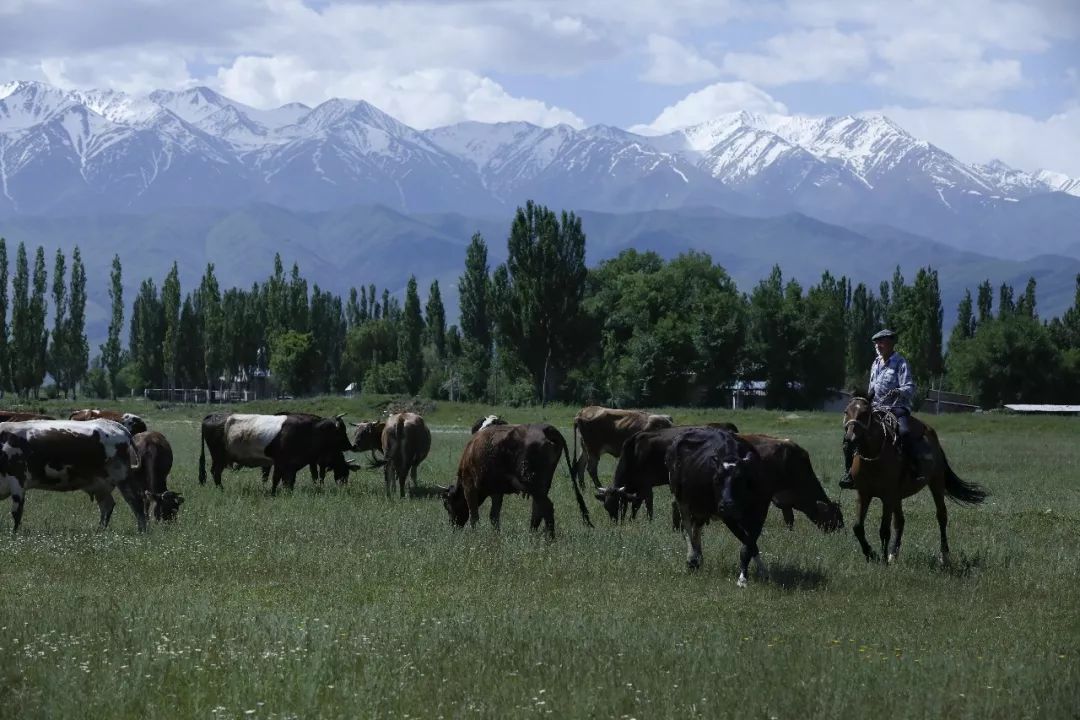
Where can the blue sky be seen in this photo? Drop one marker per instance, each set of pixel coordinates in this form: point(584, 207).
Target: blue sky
point(980, 78)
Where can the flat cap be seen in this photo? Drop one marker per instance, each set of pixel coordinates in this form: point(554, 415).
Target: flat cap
point(882, 334)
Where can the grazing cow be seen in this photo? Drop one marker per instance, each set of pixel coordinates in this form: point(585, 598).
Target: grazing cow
point(13, 416)
point(785, 466)
point(327, 449)
point(132, 422)
point(285, 443)
point(60, 455)
point(604, 430)
point(406, 441)
point(717, 474)
point(487, 421)
point(507, 459)
point(156, 459)
point(368, 437)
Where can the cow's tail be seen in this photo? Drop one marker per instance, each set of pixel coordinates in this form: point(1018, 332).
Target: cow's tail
point(202, 454)
point(963, 492)
point(582, 507)
point(576, 459)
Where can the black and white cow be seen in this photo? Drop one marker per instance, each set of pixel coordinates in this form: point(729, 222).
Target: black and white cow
point(286, 443)
point(62, 455)
point(714, 473)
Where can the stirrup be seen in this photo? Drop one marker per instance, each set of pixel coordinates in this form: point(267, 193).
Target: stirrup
point(846, 483)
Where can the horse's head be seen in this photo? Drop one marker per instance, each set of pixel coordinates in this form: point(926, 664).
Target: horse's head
point(857, 417)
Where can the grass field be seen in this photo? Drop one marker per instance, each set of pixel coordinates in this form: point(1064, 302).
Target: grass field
point(340, 603)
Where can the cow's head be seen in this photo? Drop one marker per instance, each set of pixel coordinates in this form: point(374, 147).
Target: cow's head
point(454, 502)
point(165, 505)
point(368, 436)
point(827, 515)
point(735, 475)
point(133, 423)
point(613, 498)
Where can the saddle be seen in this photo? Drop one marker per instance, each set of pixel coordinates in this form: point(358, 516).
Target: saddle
point(892, 429)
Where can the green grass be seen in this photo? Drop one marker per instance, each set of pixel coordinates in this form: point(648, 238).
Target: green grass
point(337, 602)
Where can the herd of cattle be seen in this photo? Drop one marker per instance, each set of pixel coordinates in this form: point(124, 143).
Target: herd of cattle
point(713, 471)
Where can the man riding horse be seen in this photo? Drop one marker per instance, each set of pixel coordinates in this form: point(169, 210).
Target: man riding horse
point(892, 388)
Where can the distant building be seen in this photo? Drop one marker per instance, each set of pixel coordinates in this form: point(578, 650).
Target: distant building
point(1044, 409)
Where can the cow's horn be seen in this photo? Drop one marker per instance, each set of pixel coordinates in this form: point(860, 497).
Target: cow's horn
point(729, 465)
point(340, 415)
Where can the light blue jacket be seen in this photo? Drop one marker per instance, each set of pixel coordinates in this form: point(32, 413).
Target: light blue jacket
point(892, 375)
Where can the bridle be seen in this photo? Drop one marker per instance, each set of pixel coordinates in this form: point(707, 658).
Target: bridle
point(866, 426)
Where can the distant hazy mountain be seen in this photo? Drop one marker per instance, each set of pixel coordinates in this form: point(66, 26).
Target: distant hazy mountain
point(360, 245)
point(106, 152)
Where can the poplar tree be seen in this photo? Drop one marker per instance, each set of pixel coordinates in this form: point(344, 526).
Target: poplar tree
point(170, 306)
point(78, 350)
point(436, 320)
point(58, 350)
point(411, 338)
point(111, 352)
point(5, 369)
point(39, 308)
point(209, 308)
point(21, 339)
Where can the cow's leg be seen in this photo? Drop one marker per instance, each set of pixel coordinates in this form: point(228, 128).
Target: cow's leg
point(18, 500)
point(316, 478)
point(388, 477)
point(105, 506)
point(135, 501)
point(859, 529)
point(543, 510)
point(887, 510)
point(747, 551)
point(692, 532)
point(649, 503)
point(942, 518)
point(277, 479)
point(789, 516)
point(676, 516)
point(496, 509)
point(593, 465)
point(472, 499)
point(898, 531)
point(403, 476)
point(265, 474)
point(415, 469)
point(288, 476)
point(216, 468)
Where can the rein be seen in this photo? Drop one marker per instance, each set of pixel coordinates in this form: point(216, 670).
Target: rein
point(889, 429)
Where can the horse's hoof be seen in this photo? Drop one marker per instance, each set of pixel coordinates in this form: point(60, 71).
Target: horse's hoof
point(741, 582)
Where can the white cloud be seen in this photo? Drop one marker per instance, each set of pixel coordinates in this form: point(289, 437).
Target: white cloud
point(710, 102)
point(823, 54)
point(672, 63)
point(981, 135)
point(422, 98)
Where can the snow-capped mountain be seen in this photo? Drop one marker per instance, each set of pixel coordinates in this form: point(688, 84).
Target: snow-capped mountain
point(93, 151)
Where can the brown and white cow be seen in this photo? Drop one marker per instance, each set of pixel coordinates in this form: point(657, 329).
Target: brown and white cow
point(132, 422)
point(286, 443)
point(15, 416)
point(406, 442)
point(155, 460)
point(60, 455)
point(605, 430)
point(508, 459)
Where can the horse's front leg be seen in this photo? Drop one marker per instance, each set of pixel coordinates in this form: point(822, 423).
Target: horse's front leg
point(888, 508)
point(862, 505)
point(898, 531)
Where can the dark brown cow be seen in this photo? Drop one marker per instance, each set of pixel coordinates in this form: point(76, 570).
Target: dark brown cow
point(368, 438)
point(285, 443)
point(156, 459)
point(13, 416)
point(327, 448)
point(604, 430)
point(95, 456)
point(132, 422)
point(716, 474)
point(508, 459)
point(406, 441)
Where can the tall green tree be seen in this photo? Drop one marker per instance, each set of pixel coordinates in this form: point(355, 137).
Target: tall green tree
point(773, 335)
point(436, 320)
point(474, 292)
point(5, 366)
point(39, 309)
point(58, 349)
point(78, 349)
point(821, 350)
point(190, 369)
point(146, 337)
point(170, 308)
point(984, 302)
point(540, 300)
point(111, 357)
point(22, 343)
point(862, 322)
point(213, 341)
point(411, 338)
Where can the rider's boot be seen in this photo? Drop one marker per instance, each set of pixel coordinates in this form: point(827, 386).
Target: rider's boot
point(846, 482)
point(921, 457)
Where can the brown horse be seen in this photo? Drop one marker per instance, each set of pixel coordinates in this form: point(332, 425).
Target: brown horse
point(880, 470)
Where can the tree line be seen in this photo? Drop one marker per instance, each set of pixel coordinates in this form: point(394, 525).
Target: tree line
point(633, 330)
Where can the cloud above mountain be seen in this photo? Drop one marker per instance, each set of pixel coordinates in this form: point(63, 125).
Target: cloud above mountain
point(583, 62)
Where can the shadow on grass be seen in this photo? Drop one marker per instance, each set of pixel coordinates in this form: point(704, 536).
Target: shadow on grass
point(794, 578)
point(424, 491)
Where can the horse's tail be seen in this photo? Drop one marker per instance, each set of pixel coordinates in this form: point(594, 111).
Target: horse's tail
point(965, 493)
point(202, 453)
